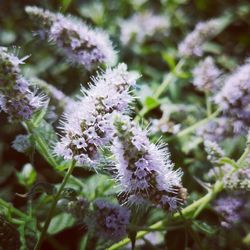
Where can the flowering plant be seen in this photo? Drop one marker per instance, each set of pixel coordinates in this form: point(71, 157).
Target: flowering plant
point(154, 145)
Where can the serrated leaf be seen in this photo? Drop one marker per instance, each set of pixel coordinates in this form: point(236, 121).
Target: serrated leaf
point(60, 222)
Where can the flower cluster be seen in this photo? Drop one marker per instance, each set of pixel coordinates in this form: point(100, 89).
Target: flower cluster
point(231, 209)
point(216, 130)
point(143, 26)
point(234, 98)
point(21, 143)
point(214, 151)
point(16, 98)
point(239, 180)
point(79, 43)
point(144, 170)
point(108, 220)
point(205, 75)
point(194, 41)
point(89, 128)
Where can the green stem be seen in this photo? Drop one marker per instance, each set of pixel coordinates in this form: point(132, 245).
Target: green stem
point(43, 149)
point(218, 187)
point(196, 207)
point(246, 239)
point(42, 145)
point(208, 104)
point(243, 157)
point(53, 206)
point(171, 76)
point(194, 126)
point(14, 210)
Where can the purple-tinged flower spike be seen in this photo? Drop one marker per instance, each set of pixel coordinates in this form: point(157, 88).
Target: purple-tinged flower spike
point(216, 130)
point(21, 143)
point(239, 180)
point(79, 43)
point(89, 127)
point(231, 209)
point(143, 26)
point(234, 98)
point(16, 98)
point(214, 151)
point(109, 221)
point(144, 170)
point(206, 75)
point(192, 45)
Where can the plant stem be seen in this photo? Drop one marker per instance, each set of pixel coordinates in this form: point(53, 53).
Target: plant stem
point(14, 210)
point(42, 145)
point(196, 207)
point(194, 126)
point(246, 239)
point(208, 104)
point(53, 206)
point(218, 187)
point(171, 76)
point(241, 160)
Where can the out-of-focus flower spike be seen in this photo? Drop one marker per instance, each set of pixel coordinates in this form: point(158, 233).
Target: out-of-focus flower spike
point(79, 43)
point(234, 98)
point(143, 26)
point(193, 43)
point(206, 75)
point(108, 220)
point(214, 151)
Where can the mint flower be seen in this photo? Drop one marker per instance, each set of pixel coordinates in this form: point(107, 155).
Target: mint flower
point(88, 128)
point(144, 170)
point(234, 98)
point(231, 208)
point(143, 26)
point(79, 43)
point(16, 98)
point(192, 45)
point(109, 221)
point(206, 75)
point(214, 151)
point(216, 130)
point(21, 143)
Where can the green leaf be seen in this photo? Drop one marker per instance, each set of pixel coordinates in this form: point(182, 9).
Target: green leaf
point(43, 137)
point(151, 103)
point(99, 186)
point(61, 222)
point(203, 227)
point(38, 116)
point(65, 4)
point(212, 48)
point(246, 240)
point(169, 60)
